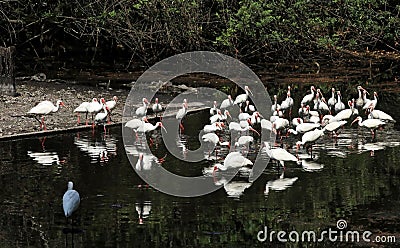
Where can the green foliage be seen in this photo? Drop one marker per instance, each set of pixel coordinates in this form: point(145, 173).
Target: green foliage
point(246, 28)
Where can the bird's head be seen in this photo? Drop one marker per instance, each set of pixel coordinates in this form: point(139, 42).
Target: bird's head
point(312, 88)
point(145, 101)
point(247, 89)
point(115, 98)
point(102, 100)
point(156, 100)
point(162, 126)
point(333, 90)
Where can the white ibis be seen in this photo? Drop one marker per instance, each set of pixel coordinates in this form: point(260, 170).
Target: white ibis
point(275, 106)
point(332, 101)
point(308, 98)
point(135, 123)
point(339, 106)
point(378, 114)
point(148, 127)
point(309, 138)
point(371, 103)
point(280, 124)
point(227, 103)
point(233, 160)
point(360, 100)
point(43, 109)
point(288, 102)
point(256, 117)
point(101, 117)
point(321, 105)
point(244, 141)
point(266, 124)
point(279, 154)
point(304, 127)
point(220, 117)
point(372, 124)
point(214, 109)
point(157, 108)
point(182, 113)
point(212, 138)
point(71, 200)
point(243, 97)
point(94, 107)
point(111, 105)
point(279, 184)
point(346, 113)
point(216, 126)
point(82, 108)
point(142, 111)
point(333, 126)
point(249, 108)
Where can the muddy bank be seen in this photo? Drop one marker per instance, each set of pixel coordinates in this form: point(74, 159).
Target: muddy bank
point(13, 119)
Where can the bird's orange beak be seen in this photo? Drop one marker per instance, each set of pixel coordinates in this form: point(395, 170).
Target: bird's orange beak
point(356, 119)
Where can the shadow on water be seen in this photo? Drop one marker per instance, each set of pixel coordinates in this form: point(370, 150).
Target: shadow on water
point(352, 179)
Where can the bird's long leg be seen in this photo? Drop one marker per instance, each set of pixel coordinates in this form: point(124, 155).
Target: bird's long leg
point(79, 118)
point(86, 118)
point(44, 124)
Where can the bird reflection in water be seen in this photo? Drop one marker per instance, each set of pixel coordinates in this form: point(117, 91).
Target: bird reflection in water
point(99, 149)
point(143, 209)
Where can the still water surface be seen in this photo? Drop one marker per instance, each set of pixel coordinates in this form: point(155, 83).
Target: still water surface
point(353, 179)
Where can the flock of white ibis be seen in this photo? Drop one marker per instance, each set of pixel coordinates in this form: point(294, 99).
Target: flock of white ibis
point(316, 117)
point(94, 108)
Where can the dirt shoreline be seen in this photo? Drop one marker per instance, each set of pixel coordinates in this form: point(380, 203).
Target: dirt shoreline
point(14, 121)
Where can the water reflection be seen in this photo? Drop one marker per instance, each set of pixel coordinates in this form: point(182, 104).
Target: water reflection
point(280, 184)
point(45, 158)
point(99, 149)
point(143, 210)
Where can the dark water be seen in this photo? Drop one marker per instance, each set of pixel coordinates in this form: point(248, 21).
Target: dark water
point(354, 179)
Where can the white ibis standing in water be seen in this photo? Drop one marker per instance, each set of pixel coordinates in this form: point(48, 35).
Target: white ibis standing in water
point(243, 97)
point(275, 106)
point(71, 200)
point(309, 138)
point(101, 117)
point(216, 126)
point(219, 116)
point(111, 105)
point(333, 126)
point(142, 111)
point(378, 114)
point(45, 108)
point(360, 99)
point(148, 127)
point(157, 108)
point(182, 113)
point(82, 108)
point(227, 103)
point(95, 107)
point(279, 154)
point(213, 139)
point(372, 124)
point(233, 160)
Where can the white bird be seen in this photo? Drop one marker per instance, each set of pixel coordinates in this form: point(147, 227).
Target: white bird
point(275, 106)
point(360, 100)
point(304, 127)
point(111, 105)
point(280, 124)
point(71, 200)
point(244, 140)
point(297, 121)
point(279, 184)
point(234, 126)
point(332, 101)
point(233, 160)
point(95, 107)
point(148, 127)
point(82, 108)
point(333, 126)
point(249, 108)
point(220, 117)
point(309, 138)
point(182, 113)
point(279, 154)
point(157, 108)
point(266, 124)
point(43, 109)
point(339, 106)
point(214, 109)
point(101, 117)
point(135, 123)
point(243, 97)
point(216, 126)
point(371, 103)
point(372, 124)
point(378, 114)
point(142, 111)
point(211, 138)
point(308, 98)
point(345, 114)
point(227, 103)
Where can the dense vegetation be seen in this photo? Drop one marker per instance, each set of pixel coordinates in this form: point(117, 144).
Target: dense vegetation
point(249, 29)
